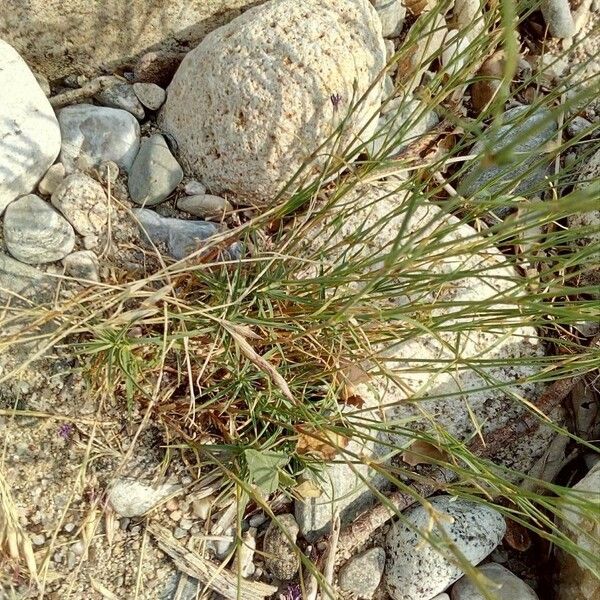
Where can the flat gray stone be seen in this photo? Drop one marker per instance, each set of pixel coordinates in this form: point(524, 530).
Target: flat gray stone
point(205, 206)
point(415, 569)
point(152, 96)
point(35, 233)
point(523, 138)
point(281, 559)
point(82, 201)
point(155, 172)
point(362, 573)
point(94, 134)
point(29, 132)
point(122, 96)
point(391, 13)
point(558, 17)
point(505, 586)
point(19, 279)
point(180, 237)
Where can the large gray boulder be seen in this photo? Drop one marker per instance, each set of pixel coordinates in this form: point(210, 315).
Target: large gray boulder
point(29, 133)
point(253, 102)
point(59, 37)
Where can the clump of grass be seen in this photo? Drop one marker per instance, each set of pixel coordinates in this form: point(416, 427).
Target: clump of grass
point(233, 357)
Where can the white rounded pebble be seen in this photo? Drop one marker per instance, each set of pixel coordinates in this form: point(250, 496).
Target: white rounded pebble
point(52, 179)
point(504, 586)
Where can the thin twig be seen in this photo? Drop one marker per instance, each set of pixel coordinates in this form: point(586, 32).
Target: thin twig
point(91, 88)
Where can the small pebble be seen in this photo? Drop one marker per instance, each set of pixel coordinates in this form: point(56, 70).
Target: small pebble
point(205, 207)
point(175, 515)
point(558, 17)
point(362, 573)
point(179, 533)
point(257, 520)
point(195, 188)
point(152, 96)
point(38, 539)
point(281, 559)
point(82, 265)
point(122, 96)
point(52, 179)
point(577, 125)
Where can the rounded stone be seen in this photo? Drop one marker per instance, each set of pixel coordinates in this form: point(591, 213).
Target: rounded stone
point(504, 586)
point(155, 173)
point(95, 134)
point(122, 96)
point(205, 206)
point(52, 179)
point(281, 558)
point(362, 573)
point(152, 96)
point(258, 97)
point(35, 233)
point(82, 265)
point(416, 569)
point(83, 203)
point(29, 132)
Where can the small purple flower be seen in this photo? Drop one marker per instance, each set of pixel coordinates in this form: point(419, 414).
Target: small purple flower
point(292, 593)
point(65, 430)
point(335, 100)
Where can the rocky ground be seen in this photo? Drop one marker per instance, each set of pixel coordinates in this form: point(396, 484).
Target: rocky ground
point(104, 180)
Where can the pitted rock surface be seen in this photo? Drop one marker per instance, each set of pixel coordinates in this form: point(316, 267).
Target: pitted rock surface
point(260, 95)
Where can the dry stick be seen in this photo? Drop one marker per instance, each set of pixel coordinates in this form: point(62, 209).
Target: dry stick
point(360, 530)
point(91, 88)
point(220, 580)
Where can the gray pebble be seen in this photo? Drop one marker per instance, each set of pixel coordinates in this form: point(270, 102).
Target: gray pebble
point(577, 125)
point(35, 233)
point(182, 238)
point(206, 206)
point(524, 133)
point(52, 179)
point(281, 558)
point(391, 14)
point(96, 134)
point(38, 539)
point(507, 586)
point(82, 265)
point(152, 96)
point(195, 188)
point(558, 17)
point(155, 173)
point(122, 96)
point(362, 573)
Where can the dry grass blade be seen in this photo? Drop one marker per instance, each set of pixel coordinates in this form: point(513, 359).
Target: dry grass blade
point(14, 541)
point(258, 360)
point(219, 580)
point(102, 590)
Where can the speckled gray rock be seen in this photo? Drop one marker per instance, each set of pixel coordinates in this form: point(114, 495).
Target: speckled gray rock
point(180, 237)
point(82, 201)
point(35, 233)
point(391, 13)
point(93, 134)
point(415, 570)
point(505, 585)
point(17, 278)
point(122, 96)
point(205, 206)
point(82, 265)
point(29, 132)
point(588, 223)
point(558, 17)
point(155, 173)
point(404, 122)
point(52, 179)
point(281, 559)
point(362, 573)
point(257, 97)
point(152, 96)
point(520, 173)
point(577, 126)
point(132, 498)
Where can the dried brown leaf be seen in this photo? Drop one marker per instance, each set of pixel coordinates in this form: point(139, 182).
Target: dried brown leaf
point(421, 452)
point(322, 444)
point(308, 489)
